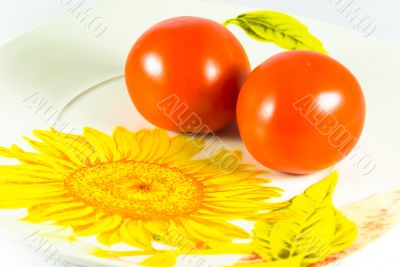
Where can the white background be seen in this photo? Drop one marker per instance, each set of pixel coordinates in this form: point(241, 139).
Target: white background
point(18, 16)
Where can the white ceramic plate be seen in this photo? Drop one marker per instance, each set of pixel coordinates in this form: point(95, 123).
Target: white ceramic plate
point(58, 61)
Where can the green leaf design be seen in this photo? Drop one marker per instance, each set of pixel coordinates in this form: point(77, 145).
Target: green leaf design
point(279, 28)
point(315, 231)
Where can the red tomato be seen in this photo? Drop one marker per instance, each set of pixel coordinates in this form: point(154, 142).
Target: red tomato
point(300, 112)
point(184, 74)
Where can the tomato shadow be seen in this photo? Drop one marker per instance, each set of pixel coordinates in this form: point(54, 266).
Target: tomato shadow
point(230, 131)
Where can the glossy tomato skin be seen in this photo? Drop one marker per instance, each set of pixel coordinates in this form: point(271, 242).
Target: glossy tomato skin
point(186, 62)
point(300, 112)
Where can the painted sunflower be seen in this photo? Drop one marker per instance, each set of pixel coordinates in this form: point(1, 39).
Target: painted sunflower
point(132, 187)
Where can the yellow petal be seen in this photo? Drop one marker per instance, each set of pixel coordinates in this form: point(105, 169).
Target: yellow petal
point(79, 221)
point(202, 169)
point(147, 143)
point(34, 173)
point(164, 259)
point(16, 194)
point(134, 233)
point(203, 232)
point(157, 227)
point(234, 178)
point(263, 192)
point(16, 202)
point(82, 149)
point(182, 149)
point(57, 164)
point(102, 224)
point(56, 213)
point(226, 213)
point(237, 204)
point(109, 238)
point(55, 141)
point(44, 148)
point(104, 146)
point(160, 147)
point(126, 142)
point(222, 226)
point(29, 189)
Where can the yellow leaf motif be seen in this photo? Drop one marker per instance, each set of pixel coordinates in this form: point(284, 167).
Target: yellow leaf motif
point(315, 231)
point(279, 28)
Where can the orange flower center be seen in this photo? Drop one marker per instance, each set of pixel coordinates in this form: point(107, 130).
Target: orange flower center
point(137, 190)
